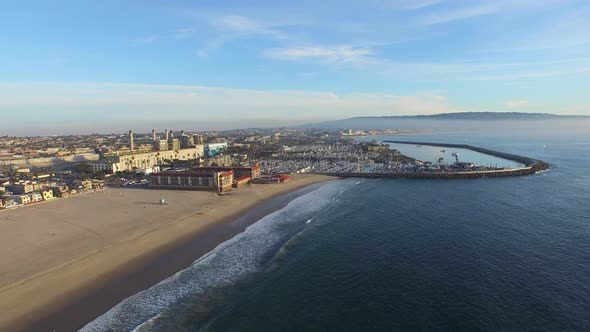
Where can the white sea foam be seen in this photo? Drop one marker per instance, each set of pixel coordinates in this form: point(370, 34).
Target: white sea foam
point(222, 266)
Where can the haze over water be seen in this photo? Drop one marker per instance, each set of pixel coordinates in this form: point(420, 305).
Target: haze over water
point(486, 254)
point(433, 153)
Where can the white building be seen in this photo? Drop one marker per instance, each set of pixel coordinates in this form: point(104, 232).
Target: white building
point(145, 161)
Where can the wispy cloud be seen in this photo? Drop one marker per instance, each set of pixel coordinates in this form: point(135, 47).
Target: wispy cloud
point(180, 101)
point(242, 25)
point(182, 33)
point(332, 54)
point(460, 13)
point(149, 39)
point(516, 103)
point(459, 10)
point(419, 4)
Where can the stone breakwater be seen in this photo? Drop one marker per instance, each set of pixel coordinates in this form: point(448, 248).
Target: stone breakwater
point(531, 166)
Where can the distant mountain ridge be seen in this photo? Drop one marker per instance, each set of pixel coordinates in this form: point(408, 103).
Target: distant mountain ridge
point(477, 116)
point(450, 120)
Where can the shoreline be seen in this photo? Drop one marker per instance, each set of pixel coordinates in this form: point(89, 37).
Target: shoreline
point(107, 283)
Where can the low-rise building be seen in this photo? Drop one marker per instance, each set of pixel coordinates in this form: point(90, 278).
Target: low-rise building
point(282, 178)
point(97, 184)
point(101, 165)
point(239, 171)
point(82, 185)
point(47, 194)
point(60, 191)
point(8, 202)
point(240, 181)
point(192, 180)
point(20, 188)
point(274, 178)
point(19, 199)
point(36, 197)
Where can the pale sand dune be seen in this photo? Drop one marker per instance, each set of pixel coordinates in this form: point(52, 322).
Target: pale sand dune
point(51, 252)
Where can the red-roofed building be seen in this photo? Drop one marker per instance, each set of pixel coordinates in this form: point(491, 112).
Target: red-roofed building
point(281, 177)
point(241, 181)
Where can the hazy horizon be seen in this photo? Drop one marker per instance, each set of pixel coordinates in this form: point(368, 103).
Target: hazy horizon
point(564, 126)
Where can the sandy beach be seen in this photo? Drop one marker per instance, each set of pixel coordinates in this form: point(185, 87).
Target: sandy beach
point(79, 256)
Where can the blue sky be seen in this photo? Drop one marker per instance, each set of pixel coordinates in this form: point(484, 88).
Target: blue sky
point(99, 64)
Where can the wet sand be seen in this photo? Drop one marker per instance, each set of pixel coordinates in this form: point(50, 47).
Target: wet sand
point(65, 262)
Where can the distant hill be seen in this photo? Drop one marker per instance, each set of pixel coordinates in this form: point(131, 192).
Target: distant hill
point(436, 120)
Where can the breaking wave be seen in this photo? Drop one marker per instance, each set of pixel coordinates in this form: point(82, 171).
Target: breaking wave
point(245, 253)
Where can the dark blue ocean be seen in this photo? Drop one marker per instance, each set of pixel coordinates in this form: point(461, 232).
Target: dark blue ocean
point(382, 255)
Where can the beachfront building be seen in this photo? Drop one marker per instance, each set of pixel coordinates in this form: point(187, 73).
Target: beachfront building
point(19, 199)
point(239, 171)
point(20, 188)
point(240, 181)
point(193, 180)
point(60, 191)
point(97, 184)
point(274, 178)
point(47, 194)
point(8, 202)
point(143, 161)
point(82, 185)
point(36, 197)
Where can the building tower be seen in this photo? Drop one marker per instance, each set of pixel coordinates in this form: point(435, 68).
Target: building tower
point(153, 135)
point(167, 135)
point(131, 147)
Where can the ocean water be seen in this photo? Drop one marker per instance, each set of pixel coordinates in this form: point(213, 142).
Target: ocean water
point(383, 254)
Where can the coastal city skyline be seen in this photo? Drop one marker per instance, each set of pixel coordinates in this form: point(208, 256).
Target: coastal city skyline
point(273, 165)
point(229, 65)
